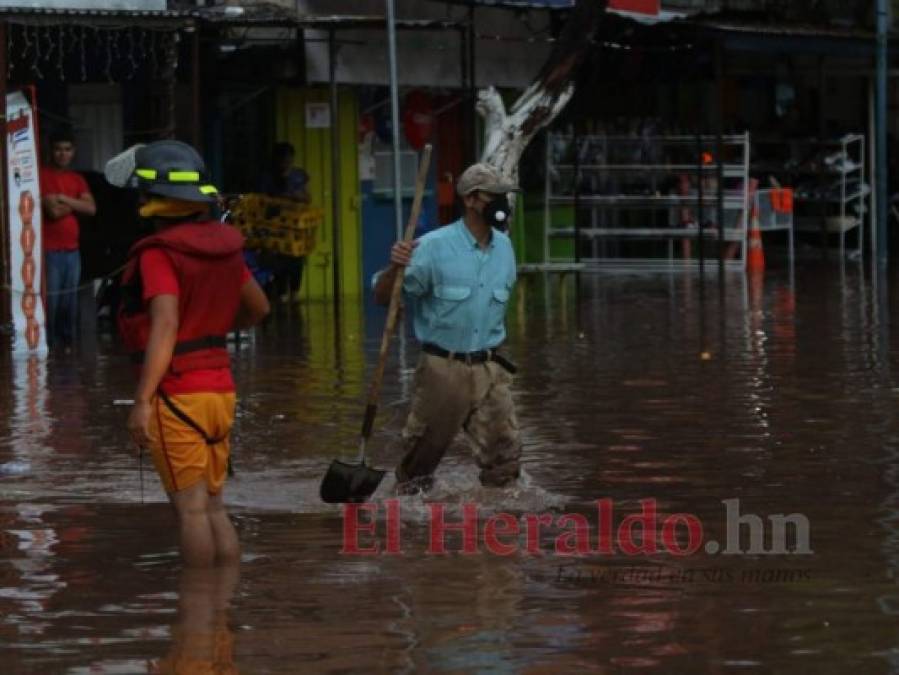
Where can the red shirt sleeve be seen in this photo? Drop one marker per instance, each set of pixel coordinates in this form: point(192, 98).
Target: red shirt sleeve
point(245, 275)
point(157, 274)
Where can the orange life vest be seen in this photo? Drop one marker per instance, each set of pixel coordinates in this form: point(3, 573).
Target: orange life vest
point(208, 260)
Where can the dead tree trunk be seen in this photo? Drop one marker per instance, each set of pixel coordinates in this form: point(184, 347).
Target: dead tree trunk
point(508, 133)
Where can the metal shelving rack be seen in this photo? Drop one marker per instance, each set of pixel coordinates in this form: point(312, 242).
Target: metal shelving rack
point(848, 168)
point(635, 175)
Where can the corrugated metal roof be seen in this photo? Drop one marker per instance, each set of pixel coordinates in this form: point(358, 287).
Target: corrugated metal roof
point(165, 18)
point(261, 13)
point(114, 13)
point(784, 29)
point(267, 14)
point(362, 21)
point(287, 18)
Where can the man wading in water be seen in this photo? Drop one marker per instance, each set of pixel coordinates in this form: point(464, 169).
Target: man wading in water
point(457, 284)
point(185, 287)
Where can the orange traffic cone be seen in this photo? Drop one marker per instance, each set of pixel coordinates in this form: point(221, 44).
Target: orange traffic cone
point(755, 257)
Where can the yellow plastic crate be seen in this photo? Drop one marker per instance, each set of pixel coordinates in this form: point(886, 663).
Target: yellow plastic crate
point(277, 225)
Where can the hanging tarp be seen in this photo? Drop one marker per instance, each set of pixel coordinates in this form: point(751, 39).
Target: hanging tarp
point(648, 7)
point(519, 4)
point(644, 11)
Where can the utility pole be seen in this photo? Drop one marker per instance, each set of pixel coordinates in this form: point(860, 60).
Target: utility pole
point(880, 126)
point(395, 119)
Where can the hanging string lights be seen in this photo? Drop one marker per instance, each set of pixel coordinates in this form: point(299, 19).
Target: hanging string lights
point(61, 54)
point(115, 53)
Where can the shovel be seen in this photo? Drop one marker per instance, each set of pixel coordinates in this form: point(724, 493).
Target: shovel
point(356, 482)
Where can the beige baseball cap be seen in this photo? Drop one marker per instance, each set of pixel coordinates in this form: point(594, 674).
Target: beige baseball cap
point(483, 177)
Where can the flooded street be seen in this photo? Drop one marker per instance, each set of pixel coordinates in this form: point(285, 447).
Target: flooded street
point(630, 388)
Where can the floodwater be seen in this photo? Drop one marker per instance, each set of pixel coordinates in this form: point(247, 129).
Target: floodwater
point(638, 387)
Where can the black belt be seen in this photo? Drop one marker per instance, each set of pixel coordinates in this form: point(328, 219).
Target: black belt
point(187, 346)
point(470, 357)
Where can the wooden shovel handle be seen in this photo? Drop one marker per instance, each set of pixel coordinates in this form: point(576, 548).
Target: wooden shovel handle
point(393, 310)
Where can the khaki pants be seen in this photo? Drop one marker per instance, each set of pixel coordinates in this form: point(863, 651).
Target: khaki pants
point(451, 395)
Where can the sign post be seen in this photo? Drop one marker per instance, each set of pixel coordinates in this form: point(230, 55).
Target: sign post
point(24, 218)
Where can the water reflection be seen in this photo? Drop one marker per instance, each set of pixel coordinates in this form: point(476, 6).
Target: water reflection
point(667, 386)
point(29, 423)
point(202, 640)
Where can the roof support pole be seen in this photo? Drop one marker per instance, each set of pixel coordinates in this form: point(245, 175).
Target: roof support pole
point(395, 119)
point(472, 87)
point(883, 18)
point(719, 152)
point(196, 136)
point(335, 166)
point(5, 243)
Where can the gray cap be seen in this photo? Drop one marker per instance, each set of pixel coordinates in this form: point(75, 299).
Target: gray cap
point(485, 178)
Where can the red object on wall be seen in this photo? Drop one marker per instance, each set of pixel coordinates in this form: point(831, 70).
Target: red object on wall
point(449, 152)
point(637, 6)
point(418, 119)
point(446, 191)
point(366, 125)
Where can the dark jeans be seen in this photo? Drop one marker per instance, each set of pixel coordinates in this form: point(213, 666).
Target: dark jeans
point(63, 273)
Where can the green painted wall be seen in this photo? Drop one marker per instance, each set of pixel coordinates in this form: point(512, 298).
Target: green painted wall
point(313, 148)
point(527, 231)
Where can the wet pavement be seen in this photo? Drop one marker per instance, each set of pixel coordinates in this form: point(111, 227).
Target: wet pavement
point(630, 388)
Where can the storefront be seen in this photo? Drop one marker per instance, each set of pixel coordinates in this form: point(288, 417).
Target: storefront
point(748, 106)
point(112, 78)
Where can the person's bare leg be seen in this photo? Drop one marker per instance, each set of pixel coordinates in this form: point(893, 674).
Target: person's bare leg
point(197, 542)
point(227, 577)
point(227, 546)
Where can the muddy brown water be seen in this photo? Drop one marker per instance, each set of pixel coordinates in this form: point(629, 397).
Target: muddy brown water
point(636, 387)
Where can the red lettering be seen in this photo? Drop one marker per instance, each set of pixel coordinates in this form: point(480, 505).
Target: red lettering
point(532, 523)
point(694, 534)
point(604, 509)
point(580, 534)
point(502, 524)
point(468, 527)
point(647, 520)
point(17, 124)
point(352, 527)
point(393, 526)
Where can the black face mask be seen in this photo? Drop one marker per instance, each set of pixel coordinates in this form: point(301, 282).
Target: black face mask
point(497, 213)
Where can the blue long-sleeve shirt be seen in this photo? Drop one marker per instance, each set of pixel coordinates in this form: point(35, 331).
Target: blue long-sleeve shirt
point(457, 292)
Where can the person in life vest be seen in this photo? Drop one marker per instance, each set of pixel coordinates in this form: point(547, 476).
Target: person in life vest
point(183, 289)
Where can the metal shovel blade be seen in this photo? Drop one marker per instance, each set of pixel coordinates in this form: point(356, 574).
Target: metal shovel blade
point(349, 483)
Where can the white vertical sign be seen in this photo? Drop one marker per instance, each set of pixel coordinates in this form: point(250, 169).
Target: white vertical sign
point(26, 260)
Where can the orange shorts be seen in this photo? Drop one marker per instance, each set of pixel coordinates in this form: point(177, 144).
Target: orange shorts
point(181, 455)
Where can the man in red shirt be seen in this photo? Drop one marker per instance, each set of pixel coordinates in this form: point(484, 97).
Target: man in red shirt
point(64, 196)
